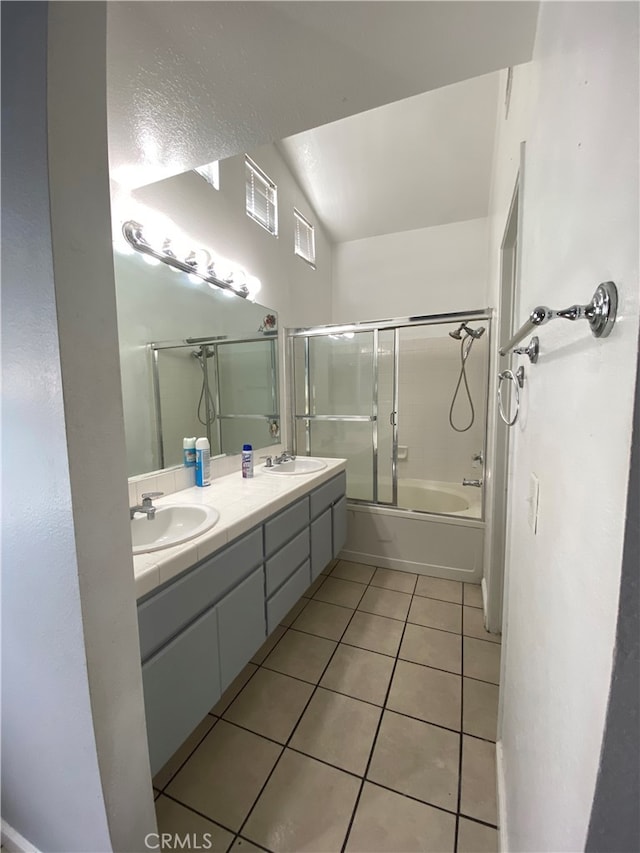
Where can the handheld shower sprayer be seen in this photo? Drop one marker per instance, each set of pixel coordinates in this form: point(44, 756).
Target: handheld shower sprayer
point(473, 333)
point(470, 335)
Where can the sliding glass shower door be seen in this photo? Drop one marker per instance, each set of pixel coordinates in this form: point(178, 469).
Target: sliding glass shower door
point(406, 406)
point(335, 408)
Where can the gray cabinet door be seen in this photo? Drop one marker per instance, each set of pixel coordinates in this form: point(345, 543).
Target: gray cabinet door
point(339, 518)
point(241, 626)
point(181, 684)
point(321, 543)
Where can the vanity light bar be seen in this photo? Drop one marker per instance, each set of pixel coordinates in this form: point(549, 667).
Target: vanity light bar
point(134, 235)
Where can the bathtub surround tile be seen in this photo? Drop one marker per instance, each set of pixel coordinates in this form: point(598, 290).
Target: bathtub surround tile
point(428, 694)
point(223, 777)
point(436, 614)
point(324, 620)
point(301, 656)
point(177, 820)
point(166, 773)
point(375, 633)
point(391, 579)
point(337, 729)
point(439, 588)
point(386, 822)
point(417, 759)
point(270, 704)
point(233, 689)
point(476, 837)
point(295, 611)
point(341, 592)
point(430, 647)
point(362, 674)
point(385, 602)
point(473, 625)
point(473, 595)
point(479, 708)
point(357, 572)
point(481, 659)
point(269, 644)
point(478, 789)
point(292, 812)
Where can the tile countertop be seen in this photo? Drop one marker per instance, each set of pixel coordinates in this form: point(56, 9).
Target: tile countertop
point(242, 504)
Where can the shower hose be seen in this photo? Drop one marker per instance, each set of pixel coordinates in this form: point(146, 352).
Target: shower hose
point(465, 349)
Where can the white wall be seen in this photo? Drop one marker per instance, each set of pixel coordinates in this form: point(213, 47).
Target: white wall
point(426, 271)
point(217, 220)
point(75, 768)
point(580, 227)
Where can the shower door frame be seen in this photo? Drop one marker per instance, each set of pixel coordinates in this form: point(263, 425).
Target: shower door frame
point(375, 327)
point(155, 347)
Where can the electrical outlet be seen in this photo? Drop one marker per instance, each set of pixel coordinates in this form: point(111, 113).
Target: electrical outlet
point(533, 500)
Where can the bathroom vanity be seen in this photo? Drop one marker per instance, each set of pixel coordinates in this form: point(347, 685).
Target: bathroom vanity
point(199, 627)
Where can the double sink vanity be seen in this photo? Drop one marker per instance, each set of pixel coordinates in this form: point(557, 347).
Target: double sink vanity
point(206, 605)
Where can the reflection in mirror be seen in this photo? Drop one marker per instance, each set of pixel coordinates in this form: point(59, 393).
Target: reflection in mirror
point(167, 321)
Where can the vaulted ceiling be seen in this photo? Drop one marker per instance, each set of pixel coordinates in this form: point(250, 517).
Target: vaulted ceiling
point(190, 82)
point(415, 163)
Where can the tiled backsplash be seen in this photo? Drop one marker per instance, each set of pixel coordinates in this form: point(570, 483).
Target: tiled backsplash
point(172, 480)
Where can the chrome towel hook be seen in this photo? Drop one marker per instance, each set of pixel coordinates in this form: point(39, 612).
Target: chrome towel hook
point(517, 379)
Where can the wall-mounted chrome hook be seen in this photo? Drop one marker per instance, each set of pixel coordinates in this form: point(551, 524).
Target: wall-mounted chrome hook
point(532, 350)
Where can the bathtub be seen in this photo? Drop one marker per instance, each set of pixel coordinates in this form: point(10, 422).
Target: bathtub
point(436, 530)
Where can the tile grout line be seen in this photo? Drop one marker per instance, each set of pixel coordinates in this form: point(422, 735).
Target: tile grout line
point(383, 708)
point(457, 827)
point(377, 732)
point(313, 693)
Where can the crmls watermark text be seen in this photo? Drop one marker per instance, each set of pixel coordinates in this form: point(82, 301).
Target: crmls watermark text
point(173, 841)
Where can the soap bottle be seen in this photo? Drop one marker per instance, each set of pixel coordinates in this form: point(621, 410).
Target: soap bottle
point(203, 462)
point(247, 461)
point(189, 452)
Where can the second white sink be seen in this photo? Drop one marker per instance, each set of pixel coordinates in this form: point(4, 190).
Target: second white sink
point(299, 465)
point(171, 525)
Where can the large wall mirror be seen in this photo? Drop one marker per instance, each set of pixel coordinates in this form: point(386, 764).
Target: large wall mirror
point(196, 360)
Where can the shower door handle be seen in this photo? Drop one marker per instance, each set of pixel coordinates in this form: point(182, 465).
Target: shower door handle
point(392, 419)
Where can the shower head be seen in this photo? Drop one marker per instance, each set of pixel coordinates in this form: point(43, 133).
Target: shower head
point(197, 353)
point(473, 333)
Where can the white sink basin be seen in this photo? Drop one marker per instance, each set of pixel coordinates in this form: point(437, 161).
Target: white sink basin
point(299, 465)
point(172, 525)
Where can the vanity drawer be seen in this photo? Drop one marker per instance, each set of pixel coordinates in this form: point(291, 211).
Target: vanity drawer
point(285, 525)
point(162, 615)
point(286, 561)
point(241, 626)
point(321, 545)
point(328, 493)
point(181, 684)
point(284, 599)
point(339, 519)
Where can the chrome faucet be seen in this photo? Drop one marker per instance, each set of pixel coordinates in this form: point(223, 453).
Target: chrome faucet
point(146, 506)
point(476, 483)
point(285, 456)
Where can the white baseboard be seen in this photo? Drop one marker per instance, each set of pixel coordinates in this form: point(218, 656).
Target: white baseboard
point(431, 570)
point(503, 835)
point(13, 841)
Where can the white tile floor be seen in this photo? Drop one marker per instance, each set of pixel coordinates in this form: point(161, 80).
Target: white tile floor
point(365, 723)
